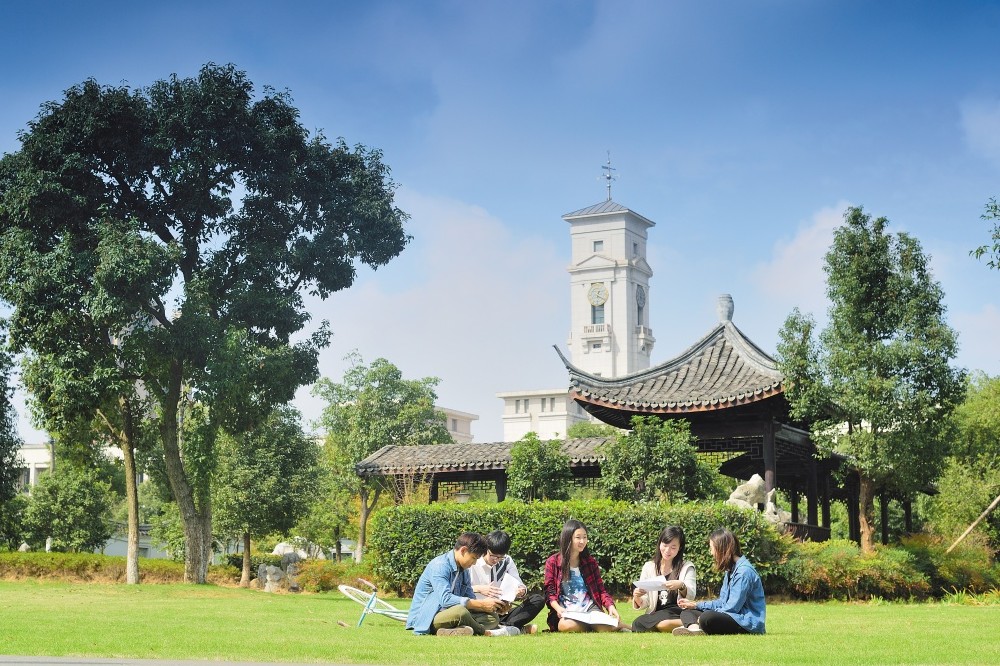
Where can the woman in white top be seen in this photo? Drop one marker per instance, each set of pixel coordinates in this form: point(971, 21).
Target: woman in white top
point(678, 577)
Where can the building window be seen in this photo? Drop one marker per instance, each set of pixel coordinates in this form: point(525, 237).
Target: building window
point(635, 249)
point(454, 425)
point(552, 404)
point(597, 314)
point(517, 406)
point(639, 316)
point(598, 246)
point(596, 346)
point(543, 404)
point(526, 405)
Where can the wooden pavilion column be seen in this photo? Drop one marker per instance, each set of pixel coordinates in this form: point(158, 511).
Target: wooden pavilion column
point(432, 496)
point(500, 483)
point(853, 506)
point(826, 500)
point(812, 492)
point(768, 449)
point(883, 501)
point(794, 496)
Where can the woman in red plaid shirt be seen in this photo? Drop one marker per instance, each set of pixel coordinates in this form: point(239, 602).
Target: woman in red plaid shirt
point(573, 583)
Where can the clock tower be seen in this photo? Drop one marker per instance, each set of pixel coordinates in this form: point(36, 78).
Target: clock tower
point(609, 290)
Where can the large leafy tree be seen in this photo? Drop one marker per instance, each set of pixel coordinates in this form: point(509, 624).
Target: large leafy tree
point(181, 224)
point(656, 460)
point(266, 479)
point(877, 383)
point(538, 470)
point(374, 406)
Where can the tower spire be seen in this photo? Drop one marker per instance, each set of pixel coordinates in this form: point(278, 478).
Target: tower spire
point(609, 174)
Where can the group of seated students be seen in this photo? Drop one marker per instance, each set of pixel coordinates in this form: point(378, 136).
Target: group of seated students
point(459, 592)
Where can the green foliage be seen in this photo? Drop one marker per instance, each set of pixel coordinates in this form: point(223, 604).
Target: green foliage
point(72, 506)
point(374, 406)
point(586, 429)
point(538, 470)
point(94, 567)
point(266, 477)
point(881, 366)
point(991, 252)
point(978, 422)
point(969, 567)
point(166, 235)
point(964, 492)
point(235, 560)
point(332, 511)
point(656, 460)
point(326, 575)
point(839, 570)
point(10, 442)
point(12, 522)
point(622, 536)
point(167, 531)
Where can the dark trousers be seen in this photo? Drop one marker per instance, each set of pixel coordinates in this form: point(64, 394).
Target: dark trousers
point(522, 615)
point(648, 621)
point(712, 622)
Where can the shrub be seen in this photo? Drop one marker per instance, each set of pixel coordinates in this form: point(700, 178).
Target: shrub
point(967, 568)
point(326, 575)
point(256, 559)
point(838, 569)
point(92, 567)
point(622, 536)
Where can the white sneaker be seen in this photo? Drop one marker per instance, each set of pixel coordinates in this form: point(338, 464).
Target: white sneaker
point(503, 630)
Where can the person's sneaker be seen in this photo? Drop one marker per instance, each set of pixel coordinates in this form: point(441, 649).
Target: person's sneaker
point(684, 631)
point(456, 631)
point(503, 631)
point(530, 629)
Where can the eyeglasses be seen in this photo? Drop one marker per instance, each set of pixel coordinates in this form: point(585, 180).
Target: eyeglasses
point(493, 558)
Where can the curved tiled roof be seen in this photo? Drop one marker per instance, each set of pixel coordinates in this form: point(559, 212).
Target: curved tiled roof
point(436, 458)
point(723, 369)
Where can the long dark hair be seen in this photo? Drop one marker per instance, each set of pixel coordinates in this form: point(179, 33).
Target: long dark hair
point(669, 533)
point(566, 543)
point(727, 549)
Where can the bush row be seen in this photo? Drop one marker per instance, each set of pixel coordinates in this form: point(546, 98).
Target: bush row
point(92, 567)
point(402, 539)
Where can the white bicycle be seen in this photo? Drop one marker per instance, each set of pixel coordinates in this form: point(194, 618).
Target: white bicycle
point(372, 604)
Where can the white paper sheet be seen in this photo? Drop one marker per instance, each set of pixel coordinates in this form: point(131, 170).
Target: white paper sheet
point(508, 588)
point(652, 584)
point(593, 617)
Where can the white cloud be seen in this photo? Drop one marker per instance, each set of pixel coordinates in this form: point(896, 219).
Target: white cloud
point(793, 276)
point(980, 122)
point(469, 302)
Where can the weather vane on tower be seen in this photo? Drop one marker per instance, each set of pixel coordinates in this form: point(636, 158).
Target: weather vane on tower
point(609, 174)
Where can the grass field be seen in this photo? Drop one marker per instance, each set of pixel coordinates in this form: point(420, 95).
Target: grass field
point(217, 623)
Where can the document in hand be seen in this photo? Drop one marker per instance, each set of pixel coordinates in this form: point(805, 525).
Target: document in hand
point(593, 617)
point(652, 584)
point(508, 588)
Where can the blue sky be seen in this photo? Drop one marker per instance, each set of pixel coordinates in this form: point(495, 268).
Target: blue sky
point(743, 129)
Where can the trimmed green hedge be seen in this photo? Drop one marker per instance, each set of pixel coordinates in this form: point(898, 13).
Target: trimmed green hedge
point(402, 539)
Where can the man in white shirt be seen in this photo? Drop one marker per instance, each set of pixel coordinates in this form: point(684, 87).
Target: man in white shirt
point(496, 568)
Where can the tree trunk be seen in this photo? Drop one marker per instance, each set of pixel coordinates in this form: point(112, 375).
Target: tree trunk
point(131, 494)
point(366, 508)
point(197, 524)
point(866, 509)
point(132, 500)
point(245, 578)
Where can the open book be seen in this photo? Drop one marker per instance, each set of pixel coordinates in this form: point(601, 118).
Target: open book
point(592, 617)
point(652, 584)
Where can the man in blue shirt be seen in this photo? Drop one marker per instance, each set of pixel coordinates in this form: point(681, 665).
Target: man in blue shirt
point(443, 600)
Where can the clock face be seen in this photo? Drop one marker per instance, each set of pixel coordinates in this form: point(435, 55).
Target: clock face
point(598, 294)
point(640, 295)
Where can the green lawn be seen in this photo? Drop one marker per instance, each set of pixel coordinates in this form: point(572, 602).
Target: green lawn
point(202, 622)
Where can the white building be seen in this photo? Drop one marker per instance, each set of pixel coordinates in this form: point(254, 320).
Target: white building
point(459, 424)
point(609, 316)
